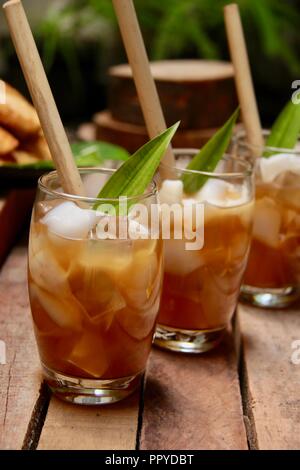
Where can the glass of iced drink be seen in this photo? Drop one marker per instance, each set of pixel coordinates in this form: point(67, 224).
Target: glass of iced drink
point(202, 280)
point(272, 276)
point(94, 297)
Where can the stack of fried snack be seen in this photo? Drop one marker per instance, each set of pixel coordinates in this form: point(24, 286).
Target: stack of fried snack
point(21, 136)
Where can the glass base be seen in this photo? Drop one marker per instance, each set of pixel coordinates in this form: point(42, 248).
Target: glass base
point(89, 391)
point(269, 298)
point(187, 341)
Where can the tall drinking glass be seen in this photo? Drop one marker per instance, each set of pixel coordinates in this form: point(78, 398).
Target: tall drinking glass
point(202, 280)
point(94, 298)
point(272, 278)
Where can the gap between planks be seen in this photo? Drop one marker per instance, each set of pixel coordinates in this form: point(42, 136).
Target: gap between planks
point(193, 402)
point(270, 385)
point(20, 377)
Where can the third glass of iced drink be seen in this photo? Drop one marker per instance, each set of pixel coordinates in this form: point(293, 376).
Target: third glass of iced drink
point(202, 281)
point(272, 277)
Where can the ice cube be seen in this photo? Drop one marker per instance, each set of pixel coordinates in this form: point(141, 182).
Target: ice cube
point(267, 222)
point(218, 192)
point(47, 273)
point(45, 206)
point(171, 192)
point(66, 312)
point(69, 220)
point(139, 323)
point(137, 284)
point(111, 256)
point(273, 166)
point(93, 182)
point(109, 310)
point(94, 288)
point(89, 355)
point(180, 261)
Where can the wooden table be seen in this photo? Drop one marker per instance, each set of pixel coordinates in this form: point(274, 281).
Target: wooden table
point(243, 395)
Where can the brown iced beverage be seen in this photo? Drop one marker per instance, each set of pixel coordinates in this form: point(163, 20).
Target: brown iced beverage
point(201, 286)
point(94, 301)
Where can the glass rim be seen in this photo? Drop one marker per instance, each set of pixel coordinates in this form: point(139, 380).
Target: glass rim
point(241, 134)
point(53, 175)
point(248, 168)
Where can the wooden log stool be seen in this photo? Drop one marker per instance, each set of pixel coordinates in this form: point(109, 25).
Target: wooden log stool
point(201, 94)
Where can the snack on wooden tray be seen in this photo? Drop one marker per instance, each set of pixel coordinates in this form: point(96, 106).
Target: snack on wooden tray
point(37, 146)
point(22, 157)
point(21, 137)
point(18, 115)
point(8, 142)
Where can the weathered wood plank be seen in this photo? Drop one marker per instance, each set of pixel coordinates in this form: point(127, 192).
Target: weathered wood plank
point(19, 377)
point(71, 427)
point(271, 379)
point(193, 402)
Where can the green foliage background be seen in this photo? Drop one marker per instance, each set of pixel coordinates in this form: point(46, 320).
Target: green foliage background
point(81, 39)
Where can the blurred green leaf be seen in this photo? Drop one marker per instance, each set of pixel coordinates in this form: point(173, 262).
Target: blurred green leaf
point(209, 156)
point(285, 131)
point(85, 154)
point(176, 27)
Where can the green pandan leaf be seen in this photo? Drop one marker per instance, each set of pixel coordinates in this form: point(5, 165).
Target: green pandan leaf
point(96, 152)
point(133, 177)
point(209, 156)
point(285, 131)
point(85, 154)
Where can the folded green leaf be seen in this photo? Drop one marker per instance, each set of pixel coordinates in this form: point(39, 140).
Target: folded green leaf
point(133, 177)
point(209, 156)
point(285, 131)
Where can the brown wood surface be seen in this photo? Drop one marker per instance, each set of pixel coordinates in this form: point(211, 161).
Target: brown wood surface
point(110, 427)
point(193, 402)
point(271, 381)
point(20, 378)
point(200, 94)
point(188, 402)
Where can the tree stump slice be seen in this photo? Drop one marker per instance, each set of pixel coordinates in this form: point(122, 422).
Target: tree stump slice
point(199, 93)
point(132, 137)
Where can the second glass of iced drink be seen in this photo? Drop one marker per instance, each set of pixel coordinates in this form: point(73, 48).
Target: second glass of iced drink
point(202, 280)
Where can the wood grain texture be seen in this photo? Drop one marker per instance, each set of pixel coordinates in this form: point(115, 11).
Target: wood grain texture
point(132, 136)
point(243, 77)
point(193, 402)
point(271, 380)
point(19, 377)
point(184, 87)
point(69, 427)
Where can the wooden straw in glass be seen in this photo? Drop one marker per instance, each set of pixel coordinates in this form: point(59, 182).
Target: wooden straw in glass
point(42, 98)
point(243, 79)
point(144, 82)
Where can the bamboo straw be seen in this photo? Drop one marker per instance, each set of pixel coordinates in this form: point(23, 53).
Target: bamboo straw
point(144, 82)
point(42, 97)
point(243, 79)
